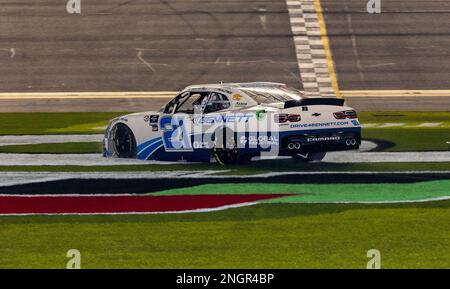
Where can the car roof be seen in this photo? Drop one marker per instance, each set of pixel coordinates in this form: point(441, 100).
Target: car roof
point(234, 86)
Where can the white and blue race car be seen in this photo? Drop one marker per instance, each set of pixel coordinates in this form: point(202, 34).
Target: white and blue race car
point(232, 122)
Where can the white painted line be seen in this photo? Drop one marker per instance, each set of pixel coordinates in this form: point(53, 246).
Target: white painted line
point(395, 93)
point(86, 95)
point(7, 140)
point(375, 202)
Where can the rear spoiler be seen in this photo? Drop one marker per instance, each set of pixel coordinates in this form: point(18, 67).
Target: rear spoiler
point(314, 101)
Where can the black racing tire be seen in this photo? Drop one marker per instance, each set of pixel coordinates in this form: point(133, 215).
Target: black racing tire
point(309, 157)
point(124, 141)
point(225, 150)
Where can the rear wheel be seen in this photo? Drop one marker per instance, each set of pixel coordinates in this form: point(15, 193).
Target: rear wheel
point(309, 157)
point(124, 141)
point(225, 150)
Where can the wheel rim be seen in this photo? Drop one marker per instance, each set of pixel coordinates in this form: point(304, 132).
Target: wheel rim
point(124, 141)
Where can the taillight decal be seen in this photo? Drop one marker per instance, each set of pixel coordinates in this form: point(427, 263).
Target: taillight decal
point(294, 117)
point(351, 114)
point(282, 118)
point(339, 115)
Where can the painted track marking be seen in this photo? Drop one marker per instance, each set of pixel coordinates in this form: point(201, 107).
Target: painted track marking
point(122, 204)
point(312, 48)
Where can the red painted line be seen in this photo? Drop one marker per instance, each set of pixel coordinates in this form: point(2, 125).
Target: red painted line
point(15, 205)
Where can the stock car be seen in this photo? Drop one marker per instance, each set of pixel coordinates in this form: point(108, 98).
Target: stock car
point(232, 122)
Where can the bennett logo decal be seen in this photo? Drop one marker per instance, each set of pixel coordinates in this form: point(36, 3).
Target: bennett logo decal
point(222, 119)
point(355, 123)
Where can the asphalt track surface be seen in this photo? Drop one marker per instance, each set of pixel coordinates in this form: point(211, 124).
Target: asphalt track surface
point(438, 103)
point(140, 45)
point(149, 185)
point(407, 46)
point(23, 159)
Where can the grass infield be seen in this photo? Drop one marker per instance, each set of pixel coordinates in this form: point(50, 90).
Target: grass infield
point(409, 131)
point(267, 235)
point(256, 167)
point(326, 193)
point(262, 236)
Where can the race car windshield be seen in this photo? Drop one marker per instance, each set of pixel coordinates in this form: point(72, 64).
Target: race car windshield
point(272, 95)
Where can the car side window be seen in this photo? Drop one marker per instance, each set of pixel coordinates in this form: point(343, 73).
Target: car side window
point(174, 103)
point(216, 102)
point(189, 103)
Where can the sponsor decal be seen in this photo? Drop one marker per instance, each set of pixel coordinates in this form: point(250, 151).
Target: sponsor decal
point(316, 114)
point(241, 104)
point(262, 140)
point(319, 124)
point(151, 119)
point(325, 138)
point(260, 114)
point(243, 140)
point(201, 144)
point(236, 97)
point(222, 119)
point(154, 118)
point(175, 136)
point(355, 123)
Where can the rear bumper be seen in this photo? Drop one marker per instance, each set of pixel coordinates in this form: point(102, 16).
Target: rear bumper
point(321, 142)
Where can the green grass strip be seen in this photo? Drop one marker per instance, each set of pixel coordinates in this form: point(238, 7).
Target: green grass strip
point(262, 236)
point(408, 117)
point(411, 139)
point(41, 123)
point(326, 193)
point(257, 167)
point(54, 148)
point(406, 138)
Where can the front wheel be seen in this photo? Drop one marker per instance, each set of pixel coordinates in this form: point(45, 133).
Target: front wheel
point(123, 141)
point(309, 157)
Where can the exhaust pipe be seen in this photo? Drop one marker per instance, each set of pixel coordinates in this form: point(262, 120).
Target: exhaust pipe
point(350, 142)
point(294, 145)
